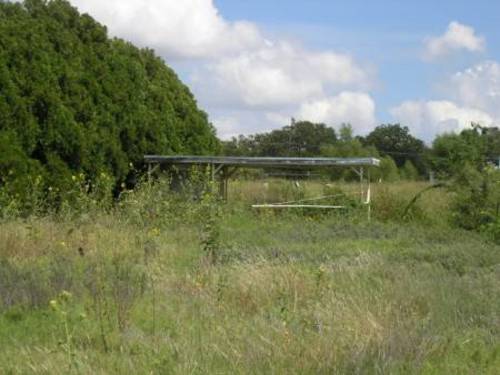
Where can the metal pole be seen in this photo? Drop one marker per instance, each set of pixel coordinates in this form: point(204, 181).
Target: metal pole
point(361, 172)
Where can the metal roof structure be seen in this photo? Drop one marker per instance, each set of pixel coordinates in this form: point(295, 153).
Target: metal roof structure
point(262, 162)
point(222, 167)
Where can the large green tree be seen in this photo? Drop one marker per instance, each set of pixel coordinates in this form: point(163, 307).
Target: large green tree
point(301, 138)
point(73, 100)
point(396, 141)
point(451, 152)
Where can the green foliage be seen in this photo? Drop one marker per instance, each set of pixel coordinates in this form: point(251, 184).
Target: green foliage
point(68, 318)
point(476, 205)
point(409, 172)
point(389, 205)
point(340, 197)
point(288, 294)
point(346, 133)
point(302, 138)
point(74, 101)
point(388, 169)
point(348, 146)
point(396, 141)
point(210, 217)
point(451, 151)
point(492, 136)
point(476, 146)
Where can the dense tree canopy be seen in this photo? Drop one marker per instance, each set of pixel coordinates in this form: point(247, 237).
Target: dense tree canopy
point(396, 141)
point(476, 147)
point(302, 138)
point(73, 100)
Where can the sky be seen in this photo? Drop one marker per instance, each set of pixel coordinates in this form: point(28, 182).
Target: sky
point(433, 66)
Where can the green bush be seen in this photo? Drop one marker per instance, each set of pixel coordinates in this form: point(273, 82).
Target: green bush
point(74, 101)
point(409, 172)
point(388, 169)
point(476, 203)
point(390, 205)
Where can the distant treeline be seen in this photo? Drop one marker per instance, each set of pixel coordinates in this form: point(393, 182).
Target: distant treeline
point(75, 102)
point(402, 154)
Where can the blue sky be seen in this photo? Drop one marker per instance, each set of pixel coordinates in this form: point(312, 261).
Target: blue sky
point(432, 65)
point(387, 33)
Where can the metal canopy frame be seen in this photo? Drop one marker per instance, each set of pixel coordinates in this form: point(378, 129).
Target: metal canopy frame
point(223, 167)
point(261, 162)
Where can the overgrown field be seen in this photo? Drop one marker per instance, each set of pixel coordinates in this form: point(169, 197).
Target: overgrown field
point(161, 284)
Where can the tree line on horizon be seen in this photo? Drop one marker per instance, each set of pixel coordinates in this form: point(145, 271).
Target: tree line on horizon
point(402, 154)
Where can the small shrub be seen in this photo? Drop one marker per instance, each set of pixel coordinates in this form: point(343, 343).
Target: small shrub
point(338, 196)
point(388, 170)
point(210, 216)
point(409, 172)
point(476, 202)
point(389, 205)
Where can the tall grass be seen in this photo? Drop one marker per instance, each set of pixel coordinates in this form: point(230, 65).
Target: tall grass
point(163, 283)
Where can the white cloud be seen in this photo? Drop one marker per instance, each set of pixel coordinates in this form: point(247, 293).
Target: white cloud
point(473, 96)
point(233, 122)
point(177, 29)
point(347, 107)
point(429, 118)
point(227, 127)
point(457, 37)
point(278, 119)
point(478, 87)
point(282, 74)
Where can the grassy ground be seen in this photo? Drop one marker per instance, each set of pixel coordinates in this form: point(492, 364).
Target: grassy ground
point(163, 286)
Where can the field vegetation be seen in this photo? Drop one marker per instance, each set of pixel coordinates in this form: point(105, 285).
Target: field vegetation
point(183, 283)
point(104, 273)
